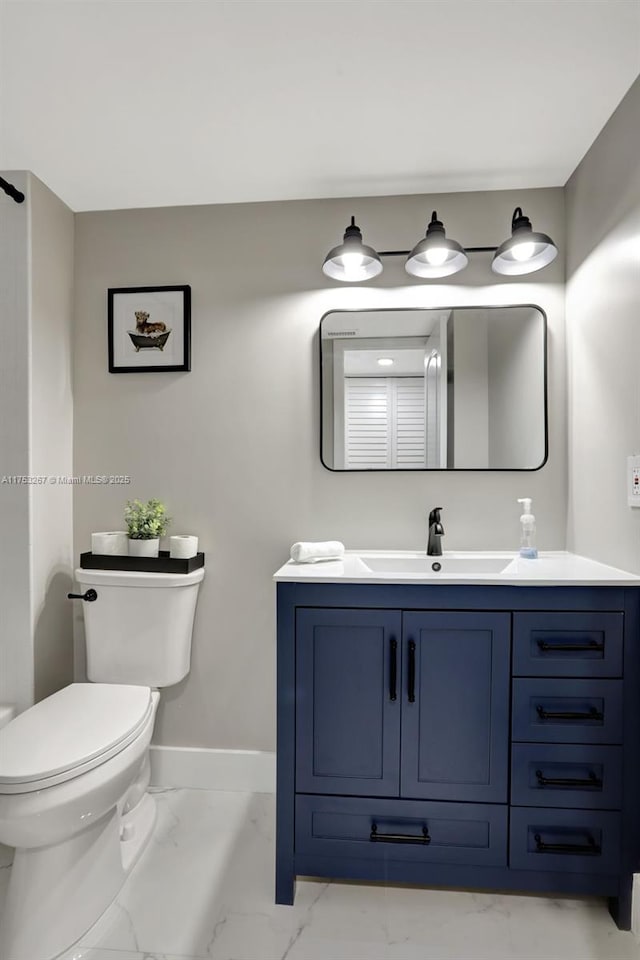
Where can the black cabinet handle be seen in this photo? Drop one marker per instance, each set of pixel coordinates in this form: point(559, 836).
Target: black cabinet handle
point(591, 781)
point(591, 645)
point(590, 848)
point(411, 672)
point(376, 837)
point(591, 714)
point(89, 596)
point(393, 669)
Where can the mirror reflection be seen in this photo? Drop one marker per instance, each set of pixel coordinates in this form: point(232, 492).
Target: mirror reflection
point(459, 388)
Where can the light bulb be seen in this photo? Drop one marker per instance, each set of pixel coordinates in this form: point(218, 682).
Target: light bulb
point(436, 256)
point(385, 361)
point(523, 251)
point(352, 262)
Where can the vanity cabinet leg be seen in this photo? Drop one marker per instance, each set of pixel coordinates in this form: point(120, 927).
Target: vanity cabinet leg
point(285, 884)
point(620, 906)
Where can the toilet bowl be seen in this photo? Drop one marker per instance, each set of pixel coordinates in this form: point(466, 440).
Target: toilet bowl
point(68, 767)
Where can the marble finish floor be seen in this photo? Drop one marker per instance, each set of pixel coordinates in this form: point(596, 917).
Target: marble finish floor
point(204, 889)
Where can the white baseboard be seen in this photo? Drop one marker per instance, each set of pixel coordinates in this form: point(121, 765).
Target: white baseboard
point(635, 908)
point(204, 769)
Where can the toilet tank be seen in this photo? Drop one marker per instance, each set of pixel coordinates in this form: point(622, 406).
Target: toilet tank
point(138, 629)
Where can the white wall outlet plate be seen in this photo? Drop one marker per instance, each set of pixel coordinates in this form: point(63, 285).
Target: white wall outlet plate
point(633, 481)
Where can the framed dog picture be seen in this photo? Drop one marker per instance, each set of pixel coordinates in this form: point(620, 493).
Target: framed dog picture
point(149, 329)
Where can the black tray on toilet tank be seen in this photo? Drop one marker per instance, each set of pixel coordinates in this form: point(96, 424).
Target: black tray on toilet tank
point(163, 563)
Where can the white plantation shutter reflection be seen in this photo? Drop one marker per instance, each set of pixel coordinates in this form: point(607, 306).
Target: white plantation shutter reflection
point(367, 437)
point(384, 423)
point(410, 447)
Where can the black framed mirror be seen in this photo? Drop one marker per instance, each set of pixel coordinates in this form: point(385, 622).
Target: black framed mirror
point(448, 388)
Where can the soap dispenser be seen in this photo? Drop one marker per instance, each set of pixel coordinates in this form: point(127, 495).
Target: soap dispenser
point(527, 531)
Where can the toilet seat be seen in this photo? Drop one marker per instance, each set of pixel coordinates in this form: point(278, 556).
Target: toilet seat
point(70, 732)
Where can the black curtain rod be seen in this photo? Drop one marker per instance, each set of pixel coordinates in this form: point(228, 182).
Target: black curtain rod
point(11, 191)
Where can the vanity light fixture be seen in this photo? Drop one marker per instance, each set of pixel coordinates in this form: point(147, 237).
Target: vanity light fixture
point(352, 261)
point(524, 251)
point(437, 256)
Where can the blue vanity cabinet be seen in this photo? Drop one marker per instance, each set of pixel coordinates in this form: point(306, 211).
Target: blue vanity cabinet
point(467, 736)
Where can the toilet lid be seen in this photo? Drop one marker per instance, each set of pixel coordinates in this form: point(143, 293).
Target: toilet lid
point(73, 726)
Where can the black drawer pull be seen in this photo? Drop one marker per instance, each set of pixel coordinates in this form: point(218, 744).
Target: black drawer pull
point(590, 848)
point(591, 645)
point(393, 669)
point(411, 678)
point(376, 837)
point(591, 781)
point(591, 714)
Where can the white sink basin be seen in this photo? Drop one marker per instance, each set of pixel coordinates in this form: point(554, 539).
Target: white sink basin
point(428, 566)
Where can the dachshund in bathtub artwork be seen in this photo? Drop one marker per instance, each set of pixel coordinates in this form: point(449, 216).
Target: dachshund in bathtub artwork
point(148, 335)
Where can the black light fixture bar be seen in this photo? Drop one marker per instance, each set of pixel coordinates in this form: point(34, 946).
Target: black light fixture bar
point(12, 191)
point(405, 253)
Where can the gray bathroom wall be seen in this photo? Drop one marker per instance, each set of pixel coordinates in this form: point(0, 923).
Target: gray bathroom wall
point(603, 318)
point(16, 647)
point(517, 422)
point(36, 434)
point(233, 446)
point(471, 388)
point(52, 251)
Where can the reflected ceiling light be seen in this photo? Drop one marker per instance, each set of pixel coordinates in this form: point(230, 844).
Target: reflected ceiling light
point(524, 251)
point(385, 361)
point(352, 261)
point(436, 255)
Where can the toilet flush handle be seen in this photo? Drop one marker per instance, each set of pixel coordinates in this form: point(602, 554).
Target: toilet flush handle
point(88, 596)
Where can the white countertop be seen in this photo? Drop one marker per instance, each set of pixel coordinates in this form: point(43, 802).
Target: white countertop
point(557, 568)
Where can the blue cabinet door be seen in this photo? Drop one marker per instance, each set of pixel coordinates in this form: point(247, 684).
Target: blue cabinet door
point(348, 695)
point(455, 706)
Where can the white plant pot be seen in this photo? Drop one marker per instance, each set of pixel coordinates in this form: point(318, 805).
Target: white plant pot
point(144, 548)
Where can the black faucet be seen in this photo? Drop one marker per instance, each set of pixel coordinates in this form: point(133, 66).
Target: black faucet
point(436, 532)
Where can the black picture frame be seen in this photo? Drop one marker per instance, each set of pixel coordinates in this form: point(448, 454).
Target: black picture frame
point(161, 317)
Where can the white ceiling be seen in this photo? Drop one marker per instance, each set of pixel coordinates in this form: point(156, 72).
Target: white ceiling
point(115, 103)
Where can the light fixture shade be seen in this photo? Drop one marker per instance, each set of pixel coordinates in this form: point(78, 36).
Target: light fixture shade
point(436, 255)
point(524, 251)
point(352, 261)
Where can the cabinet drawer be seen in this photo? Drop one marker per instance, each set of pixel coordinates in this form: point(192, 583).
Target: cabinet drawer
point(566, 775)
point(463, 833)
point(567, 711)
point(570, 841)
point(567, 644)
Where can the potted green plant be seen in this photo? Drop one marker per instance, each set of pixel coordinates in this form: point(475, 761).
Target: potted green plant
point(146, 523)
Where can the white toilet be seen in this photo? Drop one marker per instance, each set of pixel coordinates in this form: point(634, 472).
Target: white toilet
point(74, 769)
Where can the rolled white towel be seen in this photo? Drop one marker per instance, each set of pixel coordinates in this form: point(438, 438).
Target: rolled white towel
point(313, 552)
